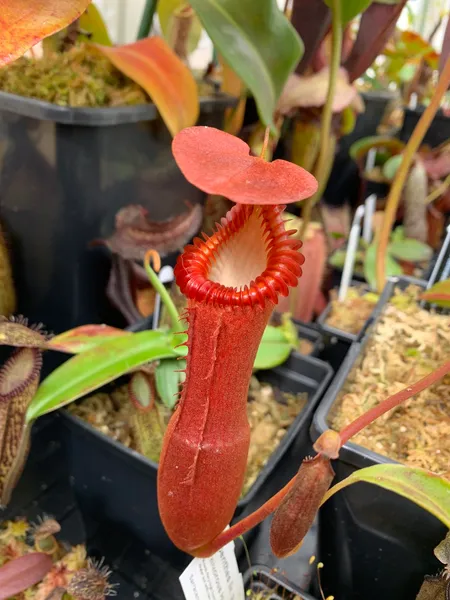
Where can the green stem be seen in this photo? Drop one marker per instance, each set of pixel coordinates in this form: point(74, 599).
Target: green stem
point(147, 19)
point(160, 289)
point(322, 173)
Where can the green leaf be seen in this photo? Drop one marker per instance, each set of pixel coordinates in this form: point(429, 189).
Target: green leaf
point(398, 235)
point(258, 43)
point(392, 266)
point(337, 259)
point(439, 294)
point(336, 235)
point(407, 72)
point(91, 22)
point(422, 487)
point(166, 10)
point(168, 380)
point(273, 350)
point(351, 8)
point(289, 329)
point(411, 250)
point(391, 166)
point(96, 367)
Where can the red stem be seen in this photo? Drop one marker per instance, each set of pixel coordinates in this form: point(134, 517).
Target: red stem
point(391, 402)
point(247, 523)
point(348, 432)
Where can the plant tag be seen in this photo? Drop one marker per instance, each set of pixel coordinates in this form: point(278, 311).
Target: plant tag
point(214, 578)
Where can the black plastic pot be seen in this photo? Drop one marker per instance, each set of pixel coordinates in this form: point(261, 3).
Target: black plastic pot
point(339, 333)
point(373, 542)
point(44, 489)
point(367, 122)
point(64, 175)
point(120, 485)
point(262, 579)
point(312, 334)
point(437, 133)
point(306, 331)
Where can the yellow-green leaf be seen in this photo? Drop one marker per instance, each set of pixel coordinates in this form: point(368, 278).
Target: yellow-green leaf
point(91, 22)
point(423, 488)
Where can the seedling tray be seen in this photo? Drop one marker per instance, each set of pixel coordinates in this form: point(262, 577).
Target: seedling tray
point(374, 542)
point(119, 484)
point(262, 579)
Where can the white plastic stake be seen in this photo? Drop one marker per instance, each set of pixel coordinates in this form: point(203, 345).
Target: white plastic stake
point(370, 204)
point(371, 158)
point(165, 276)
point(352, 247)
point(439, 260)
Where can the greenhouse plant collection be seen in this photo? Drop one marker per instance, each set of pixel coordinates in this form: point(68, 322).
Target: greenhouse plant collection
point(224, 299)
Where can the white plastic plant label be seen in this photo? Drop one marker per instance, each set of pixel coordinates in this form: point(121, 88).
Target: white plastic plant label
point(214, 578)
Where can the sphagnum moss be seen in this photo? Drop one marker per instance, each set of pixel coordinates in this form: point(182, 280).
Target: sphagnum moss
point(82, 76)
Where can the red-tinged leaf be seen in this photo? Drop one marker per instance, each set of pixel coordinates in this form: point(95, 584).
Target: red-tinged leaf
point(311, 91)
point(23, 23)
point(311, 19)
point(84, 338)
point(297, 511)
point(376, 27)
point(153, 65)
point(21, 573)
point(219, 163)
point(438, 294)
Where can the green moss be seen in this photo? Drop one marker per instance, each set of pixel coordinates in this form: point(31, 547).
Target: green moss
point(79, 77)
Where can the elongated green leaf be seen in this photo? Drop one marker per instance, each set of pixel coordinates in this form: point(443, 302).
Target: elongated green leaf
point(96, 367)
point(257, 41)
point(439, 294)
point(409, 249)
point(273, 350)
point(392, 266)
point(167, 377)
point(351, 8)
point(422, 487)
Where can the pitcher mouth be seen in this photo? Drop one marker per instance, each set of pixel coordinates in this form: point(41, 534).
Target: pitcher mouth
point(250, 259)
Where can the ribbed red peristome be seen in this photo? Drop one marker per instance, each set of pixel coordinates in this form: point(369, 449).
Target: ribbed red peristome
point(282, 270)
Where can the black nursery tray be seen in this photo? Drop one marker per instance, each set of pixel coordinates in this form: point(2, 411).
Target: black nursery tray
point(44, 488)
point(340, 334)
point(262, 579)
point(378, 544)
point(113, 481)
